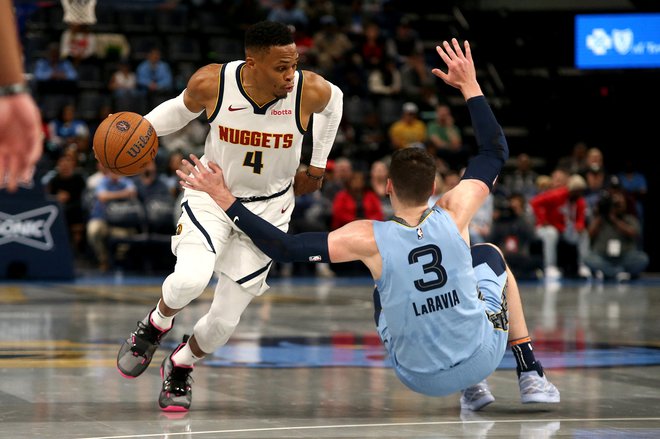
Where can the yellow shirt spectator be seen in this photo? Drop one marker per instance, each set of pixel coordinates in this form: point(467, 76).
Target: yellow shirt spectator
point(409, 130)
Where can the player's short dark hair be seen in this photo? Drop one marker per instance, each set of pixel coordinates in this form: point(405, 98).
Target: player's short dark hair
point(412, 172)
point(265, 34)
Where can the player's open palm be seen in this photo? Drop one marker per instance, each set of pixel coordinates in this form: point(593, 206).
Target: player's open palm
point(461, 72)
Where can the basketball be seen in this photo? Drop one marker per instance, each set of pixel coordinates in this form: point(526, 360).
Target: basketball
point(125, 143)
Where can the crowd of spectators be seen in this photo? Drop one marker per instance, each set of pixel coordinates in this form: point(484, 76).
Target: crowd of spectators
point(570, 218)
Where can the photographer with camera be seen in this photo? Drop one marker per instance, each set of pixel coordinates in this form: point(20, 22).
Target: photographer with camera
point(614, 233)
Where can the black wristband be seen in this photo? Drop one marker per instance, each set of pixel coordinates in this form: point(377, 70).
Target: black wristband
point(314, 177)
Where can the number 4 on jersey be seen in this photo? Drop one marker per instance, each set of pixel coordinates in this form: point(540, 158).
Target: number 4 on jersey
point(253, 159)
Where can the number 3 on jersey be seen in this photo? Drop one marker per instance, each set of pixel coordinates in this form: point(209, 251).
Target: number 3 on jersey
point(253, 159)
point(434, 267)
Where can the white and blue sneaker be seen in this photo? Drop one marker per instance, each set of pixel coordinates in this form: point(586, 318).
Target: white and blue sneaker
point(536, 388)
point(476, 397)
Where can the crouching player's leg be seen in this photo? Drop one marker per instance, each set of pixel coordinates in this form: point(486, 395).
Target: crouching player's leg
point(505, 311)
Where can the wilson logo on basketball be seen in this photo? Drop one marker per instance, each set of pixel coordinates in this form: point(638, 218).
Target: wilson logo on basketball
point(139, 145)
point(123, 126)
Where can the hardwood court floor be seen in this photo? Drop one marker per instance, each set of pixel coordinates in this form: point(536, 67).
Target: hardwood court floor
point(305, 362)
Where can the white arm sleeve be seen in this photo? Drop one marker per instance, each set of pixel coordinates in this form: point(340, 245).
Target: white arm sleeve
point(171, 116)
point(325, 126)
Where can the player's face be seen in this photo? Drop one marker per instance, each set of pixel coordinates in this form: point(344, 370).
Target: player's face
point(277, 69)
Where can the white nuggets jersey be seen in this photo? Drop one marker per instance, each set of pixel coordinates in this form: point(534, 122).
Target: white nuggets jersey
point(257, 147)
point(428, 293)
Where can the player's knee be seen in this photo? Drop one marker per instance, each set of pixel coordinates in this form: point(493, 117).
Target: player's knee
point(213, 332)
point(488, 254)
point(180, 288)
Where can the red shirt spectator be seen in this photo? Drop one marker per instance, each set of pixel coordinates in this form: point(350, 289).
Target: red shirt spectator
point(355, 202)
point(557, 208)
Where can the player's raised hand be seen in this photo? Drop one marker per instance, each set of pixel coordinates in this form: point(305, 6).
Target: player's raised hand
point(461, 72)
point(210, 179)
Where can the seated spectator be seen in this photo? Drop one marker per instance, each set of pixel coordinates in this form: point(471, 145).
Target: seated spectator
point(371, 46)
point(153, 74)
point(69, 133)
point(523, 178)
point(444, 137)
point(614, 234)
point(384, 81)
point(357, 201)
point(409, 130)
point(67, 186)
point(54, 75)
point(330, 48)
point(415, 78)
point(338, 178)
point(561, 213)
point(157, 198)
point(151, 184)
point(378, 182)
point(123, 81)
point(405, 42)
point(111, 188)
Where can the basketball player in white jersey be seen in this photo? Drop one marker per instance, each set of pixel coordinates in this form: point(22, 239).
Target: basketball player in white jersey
point(444, 310)
point(259, 110)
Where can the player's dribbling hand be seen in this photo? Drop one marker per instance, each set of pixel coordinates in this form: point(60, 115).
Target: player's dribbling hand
point(21, 140)
point(209, 179)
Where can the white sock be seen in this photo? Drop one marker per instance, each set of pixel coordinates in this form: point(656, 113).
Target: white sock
point(185, 357)
point(159, 320)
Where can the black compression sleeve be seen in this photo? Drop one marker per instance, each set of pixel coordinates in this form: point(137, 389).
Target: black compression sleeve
point(493, 148)
point(280, 246)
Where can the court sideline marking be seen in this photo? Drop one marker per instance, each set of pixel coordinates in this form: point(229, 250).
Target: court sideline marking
point(398, 424)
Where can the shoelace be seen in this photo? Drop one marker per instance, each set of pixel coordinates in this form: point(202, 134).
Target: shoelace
point(145, 332)
point(179, 380)
point(152, 334)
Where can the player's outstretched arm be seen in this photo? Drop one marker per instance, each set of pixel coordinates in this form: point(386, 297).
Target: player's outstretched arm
point(280, 246)
point(352, 242)
point(465, 199)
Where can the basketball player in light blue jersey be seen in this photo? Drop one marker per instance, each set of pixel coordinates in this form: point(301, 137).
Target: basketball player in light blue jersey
point(444, 310)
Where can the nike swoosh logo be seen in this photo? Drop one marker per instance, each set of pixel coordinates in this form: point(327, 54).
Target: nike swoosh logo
point(236, 218)
point(236, 109)
point(284, 210)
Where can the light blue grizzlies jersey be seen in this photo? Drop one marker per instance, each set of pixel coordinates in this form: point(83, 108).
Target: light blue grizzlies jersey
point(428, 294)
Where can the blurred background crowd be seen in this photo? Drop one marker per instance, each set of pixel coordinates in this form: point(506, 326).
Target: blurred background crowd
point(571, 202)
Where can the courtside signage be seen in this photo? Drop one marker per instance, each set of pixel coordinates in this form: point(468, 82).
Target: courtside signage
point(31, 228)
point(617, 41)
